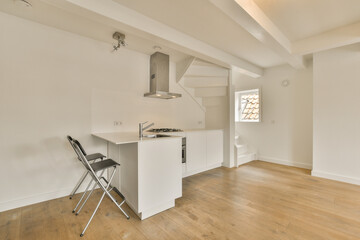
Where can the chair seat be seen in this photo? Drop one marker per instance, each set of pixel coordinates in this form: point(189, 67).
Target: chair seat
point(94, 156)
point(103, 165)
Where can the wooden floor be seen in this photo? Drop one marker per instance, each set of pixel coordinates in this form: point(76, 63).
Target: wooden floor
point(256, 201)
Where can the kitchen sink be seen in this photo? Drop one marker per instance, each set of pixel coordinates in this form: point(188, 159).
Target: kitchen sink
point(156, 136)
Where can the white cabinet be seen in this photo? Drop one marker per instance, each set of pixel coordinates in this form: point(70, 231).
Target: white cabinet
point(204, 149)
point(159, 175)
point(150, 175)
point(195, 151)
point(214, 147)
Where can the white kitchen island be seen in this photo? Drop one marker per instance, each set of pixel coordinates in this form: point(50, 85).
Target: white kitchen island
point(150, 173)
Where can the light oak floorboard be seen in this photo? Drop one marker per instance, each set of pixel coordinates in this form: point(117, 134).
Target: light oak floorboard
point(257, 201)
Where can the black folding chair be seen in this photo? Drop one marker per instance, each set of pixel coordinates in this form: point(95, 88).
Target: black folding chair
point(89, 157)
point(93, 169)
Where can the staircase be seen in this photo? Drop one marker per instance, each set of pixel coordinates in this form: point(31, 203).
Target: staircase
point(205, 82)
point(243, 152)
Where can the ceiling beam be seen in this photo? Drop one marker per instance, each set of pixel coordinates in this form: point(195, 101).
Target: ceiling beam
point(252, 18)
point(334, 38)
point(145, 27)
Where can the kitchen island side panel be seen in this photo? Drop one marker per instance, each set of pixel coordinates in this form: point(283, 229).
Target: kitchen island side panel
point(160, 172)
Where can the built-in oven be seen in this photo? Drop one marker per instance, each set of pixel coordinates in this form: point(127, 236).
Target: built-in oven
point(183, 150)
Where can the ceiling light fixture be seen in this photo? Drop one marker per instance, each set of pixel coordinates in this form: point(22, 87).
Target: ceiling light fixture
point(120, 37)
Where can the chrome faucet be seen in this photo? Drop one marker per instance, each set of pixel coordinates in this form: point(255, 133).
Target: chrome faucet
point(142, 128)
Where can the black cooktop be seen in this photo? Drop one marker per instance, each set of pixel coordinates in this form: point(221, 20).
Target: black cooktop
point(165, 130)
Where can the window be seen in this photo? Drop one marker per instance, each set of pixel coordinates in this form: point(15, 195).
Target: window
point(247, 106)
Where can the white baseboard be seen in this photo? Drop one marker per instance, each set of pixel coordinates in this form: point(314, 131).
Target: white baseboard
point(335, 177)
point(245, 158)
point(162, 207)
point(21, 202)
point(285, 162)
point(228, 164)
point(187, 174)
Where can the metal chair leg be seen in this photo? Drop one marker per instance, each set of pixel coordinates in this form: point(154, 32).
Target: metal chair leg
point(118, 205)
point(102, 197)
point(88, 196)
point(114, 200)
point(87, 188)
point(79, 183)
point(81, 180)
point(87, 225)
point(122, 210)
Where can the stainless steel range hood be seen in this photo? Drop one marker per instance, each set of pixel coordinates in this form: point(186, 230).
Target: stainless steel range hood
point(159, 77)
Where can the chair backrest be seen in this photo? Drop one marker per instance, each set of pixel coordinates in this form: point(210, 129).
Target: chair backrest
point(74, 141)
point(71, 141)
point(84, 161)
point(77, 147)
point(80, 147)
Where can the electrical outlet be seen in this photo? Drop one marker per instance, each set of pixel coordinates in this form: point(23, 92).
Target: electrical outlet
point(117, 123)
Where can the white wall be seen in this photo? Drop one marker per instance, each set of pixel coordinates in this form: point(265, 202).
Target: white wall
point(216, 116)
point(337, 114)
point(285, 134)
point(54, 83)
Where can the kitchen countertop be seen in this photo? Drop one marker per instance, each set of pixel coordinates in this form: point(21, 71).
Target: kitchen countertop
point(201, 129)
point(128, 137)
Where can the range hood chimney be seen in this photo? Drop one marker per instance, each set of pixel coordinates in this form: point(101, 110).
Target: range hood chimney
point(159, 77)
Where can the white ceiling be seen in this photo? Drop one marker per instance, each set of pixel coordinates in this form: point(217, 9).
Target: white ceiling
point(299, 19)
point(215, 22)
point(46, 14)
point(202, 20)
point(263, 32)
